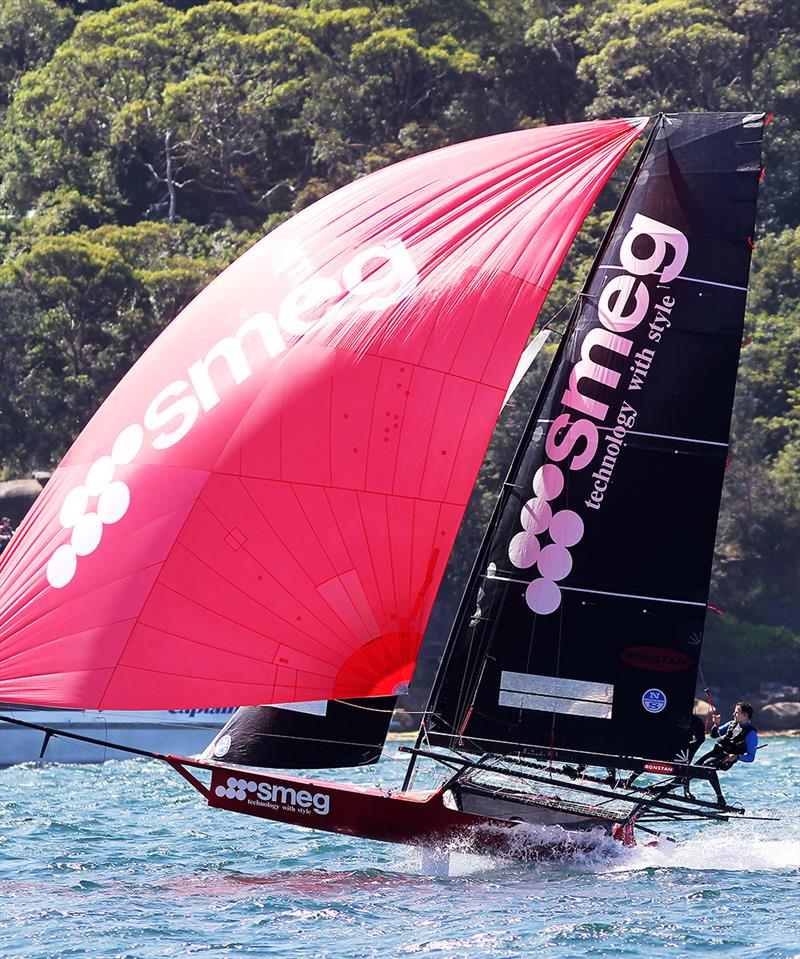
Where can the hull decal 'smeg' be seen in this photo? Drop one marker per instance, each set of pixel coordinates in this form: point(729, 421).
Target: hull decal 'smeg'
point(552, 694)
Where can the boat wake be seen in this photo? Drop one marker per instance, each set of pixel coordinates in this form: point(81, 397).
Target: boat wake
point(526, 844)
point(593, 852)
point(719, 852)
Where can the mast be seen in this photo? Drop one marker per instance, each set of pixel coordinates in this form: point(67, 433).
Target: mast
point(467, 606)
point(582, 621)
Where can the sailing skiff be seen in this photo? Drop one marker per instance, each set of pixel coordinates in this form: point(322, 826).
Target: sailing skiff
point(262, 511)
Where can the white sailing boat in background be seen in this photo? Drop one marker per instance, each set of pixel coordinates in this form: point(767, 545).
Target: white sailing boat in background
point(182, 732)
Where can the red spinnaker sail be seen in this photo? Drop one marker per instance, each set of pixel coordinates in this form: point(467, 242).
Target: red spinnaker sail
point(263, 508)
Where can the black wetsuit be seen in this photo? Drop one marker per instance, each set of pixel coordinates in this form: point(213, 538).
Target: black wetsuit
point(733, 741)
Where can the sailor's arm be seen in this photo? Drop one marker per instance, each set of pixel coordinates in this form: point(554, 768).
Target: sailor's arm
point(716, 730)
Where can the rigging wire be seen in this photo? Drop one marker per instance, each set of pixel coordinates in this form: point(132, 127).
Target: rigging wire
point(709, 698)
point(575, 296)
point(351, 704)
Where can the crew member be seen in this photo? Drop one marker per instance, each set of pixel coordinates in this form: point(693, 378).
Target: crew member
point(6, 532)
point(737, 741)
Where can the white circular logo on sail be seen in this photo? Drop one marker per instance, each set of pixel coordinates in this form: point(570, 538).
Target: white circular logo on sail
point(654, 700)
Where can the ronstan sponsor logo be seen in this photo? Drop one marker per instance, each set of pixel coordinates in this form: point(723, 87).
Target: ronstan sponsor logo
point(666, 768)
point(655, 658)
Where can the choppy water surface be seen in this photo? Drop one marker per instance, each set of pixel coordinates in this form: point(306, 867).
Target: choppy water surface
point(124, 860)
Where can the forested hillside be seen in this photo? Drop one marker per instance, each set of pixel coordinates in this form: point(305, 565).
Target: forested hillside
point(144, 144)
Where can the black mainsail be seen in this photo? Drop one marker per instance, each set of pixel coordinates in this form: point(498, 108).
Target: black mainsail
point(581, 626)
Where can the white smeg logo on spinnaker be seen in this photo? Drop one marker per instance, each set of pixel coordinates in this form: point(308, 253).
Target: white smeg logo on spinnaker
point(103, 499)
point(621, 308)
point(241, 789)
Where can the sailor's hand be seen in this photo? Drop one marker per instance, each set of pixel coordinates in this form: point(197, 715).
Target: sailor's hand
point(715, 718)
point(729, 761)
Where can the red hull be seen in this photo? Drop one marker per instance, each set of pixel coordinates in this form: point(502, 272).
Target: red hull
point(418, 818)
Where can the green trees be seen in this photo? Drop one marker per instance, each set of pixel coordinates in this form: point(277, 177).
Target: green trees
point(151, 111)
point(78, 308)
point(758, 544)
point(670, 55)
point(143, 144)
point(677, 55)
point(71, 291)
point(30, 31)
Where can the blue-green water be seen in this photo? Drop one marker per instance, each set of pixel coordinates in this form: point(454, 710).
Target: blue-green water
point(124, 860)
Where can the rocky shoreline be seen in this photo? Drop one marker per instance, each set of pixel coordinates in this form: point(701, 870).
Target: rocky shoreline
point(776, 705)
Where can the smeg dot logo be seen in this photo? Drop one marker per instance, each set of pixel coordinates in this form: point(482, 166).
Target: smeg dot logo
point(275, 795)
point(650, 248)
point(99, 501)
point(552, 560)
point(236, 788)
